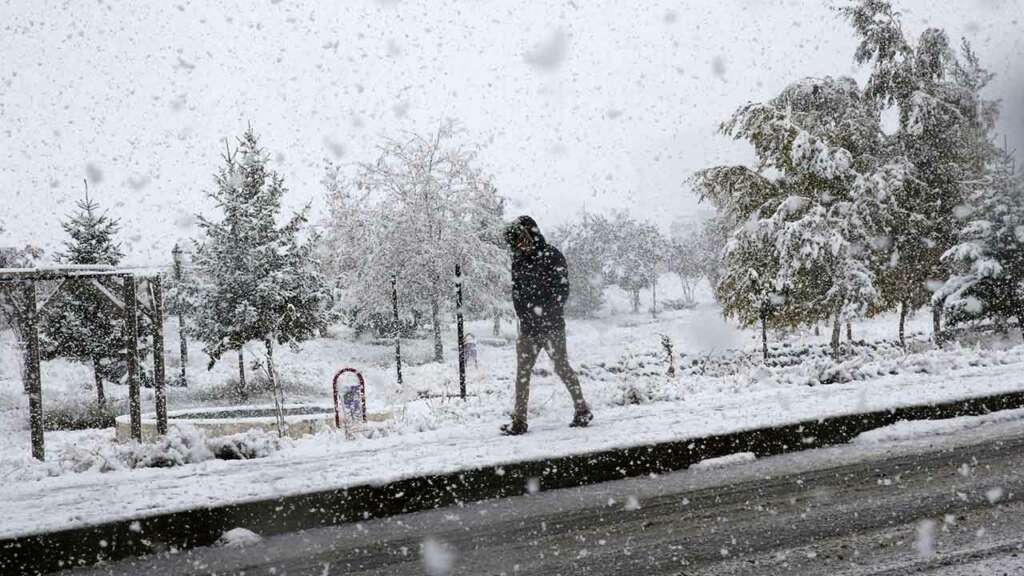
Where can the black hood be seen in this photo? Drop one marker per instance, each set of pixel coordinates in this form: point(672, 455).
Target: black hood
point(524, 223)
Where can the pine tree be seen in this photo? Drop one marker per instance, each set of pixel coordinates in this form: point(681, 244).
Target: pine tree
point(12, 300)
point(988, 258)
point(943, 137)
point(81, 323)
point(254, 280)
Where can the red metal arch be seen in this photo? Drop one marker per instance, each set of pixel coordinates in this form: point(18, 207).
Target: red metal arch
point(362, 394)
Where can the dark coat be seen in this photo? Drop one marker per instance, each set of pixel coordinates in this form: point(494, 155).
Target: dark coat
point(540, 281)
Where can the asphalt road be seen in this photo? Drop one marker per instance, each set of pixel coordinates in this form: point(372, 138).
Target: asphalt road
point(945, 507)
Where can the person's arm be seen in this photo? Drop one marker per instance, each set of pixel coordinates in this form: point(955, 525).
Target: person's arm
point(517, 298)
point(561, 277)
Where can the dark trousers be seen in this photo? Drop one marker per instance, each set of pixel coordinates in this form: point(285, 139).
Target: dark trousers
point(528, 347)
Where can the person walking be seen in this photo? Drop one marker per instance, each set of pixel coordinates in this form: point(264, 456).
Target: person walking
point(540, 287)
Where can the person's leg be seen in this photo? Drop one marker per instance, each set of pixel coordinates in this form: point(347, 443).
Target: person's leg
point(556, 347)
point(527, 350)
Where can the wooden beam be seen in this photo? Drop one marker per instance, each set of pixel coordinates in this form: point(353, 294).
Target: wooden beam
point(35, 387)
point(118, 302)
point(47, 298)
point(57, 273)
point(131, 327)
point(159, 376)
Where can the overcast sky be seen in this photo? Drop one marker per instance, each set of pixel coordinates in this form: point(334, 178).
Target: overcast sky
point(578, 104)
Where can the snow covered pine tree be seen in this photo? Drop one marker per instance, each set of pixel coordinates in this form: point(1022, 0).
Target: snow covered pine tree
point(943, 143)
point(255, 280)
point(81, 323)
point(988, 259)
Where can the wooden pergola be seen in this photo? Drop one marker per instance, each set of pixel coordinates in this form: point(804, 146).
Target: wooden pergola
point(138, 293)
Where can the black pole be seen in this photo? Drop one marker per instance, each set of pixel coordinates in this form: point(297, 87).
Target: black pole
point(34, 384)
point(398, 328)
point(461, 332)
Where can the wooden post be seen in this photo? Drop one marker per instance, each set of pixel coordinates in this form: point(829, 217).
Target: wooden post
point(159, 376)
point(398, 328)
point(461, 331)
point(35, 385)
point(131, 337)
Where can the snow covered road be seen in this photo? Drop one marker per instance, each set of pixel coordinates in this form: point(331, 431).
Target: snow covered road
point(943, 499)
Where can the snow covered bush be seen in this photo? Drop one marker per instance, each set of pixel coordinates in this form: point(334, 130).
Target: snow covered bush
point(181, 445)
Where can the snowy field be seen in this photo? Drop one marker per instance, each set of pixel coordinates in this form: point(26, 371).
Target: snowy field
point(719, 379)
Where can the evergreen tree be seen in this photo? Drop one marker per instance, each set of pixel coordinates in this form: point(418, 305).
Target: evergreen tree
point(80, 322)
point(255, 280)
point(988, 258)
point(943, 137)
point(12, 300)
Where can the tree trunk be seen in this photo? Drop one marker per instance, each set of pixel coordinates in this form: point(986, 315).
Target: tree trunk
point(182, 348)
point(849, 333)
point(903, 323)
point(764, 335)
point(435, 315)
point(241, 372)
point(275, 387)
point(937, 323)
point(837, 325)
point(817, 328)
point(497, 323)
point(101, 397)
point(654, 297)
point(636, 301)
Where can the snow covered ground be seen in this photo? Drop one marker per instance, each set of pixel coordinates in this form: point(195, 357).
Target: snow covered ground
point(720, 386)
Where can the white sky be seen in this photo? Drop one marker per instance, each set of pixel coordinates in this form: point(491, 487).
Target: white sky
point(578, 104)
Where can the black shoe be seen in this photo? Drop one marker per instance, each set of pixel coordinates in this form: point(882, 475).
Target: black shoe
point(582, 418)
point(515, 428)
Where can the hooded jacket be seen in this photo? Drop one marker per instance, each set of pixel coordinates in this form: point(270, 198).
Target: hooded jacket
point(540, 281)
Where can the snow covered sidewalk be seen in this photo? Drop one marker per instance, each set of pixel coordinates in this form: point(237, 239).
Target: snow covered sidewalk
point(328, 462)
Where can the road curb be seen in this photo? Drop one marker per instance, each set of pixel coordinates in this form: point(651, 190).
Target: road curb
point(42, 553)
